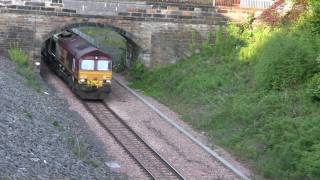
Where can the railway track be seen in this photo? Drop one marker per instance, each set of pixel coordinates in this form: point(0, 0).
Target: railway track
point(148, 159)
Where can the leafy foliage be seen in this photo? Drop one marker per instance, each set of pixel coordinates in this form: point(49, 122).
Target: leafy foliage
point(226, 41)
point(254, 42)
point(315, 16)
point(286, 60)
point(250, 93)
point(138, 70)
point(314, 86)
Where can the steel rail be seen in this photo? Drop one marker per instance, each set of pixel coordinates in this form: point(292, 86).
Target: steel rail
point(170, 168)
point(186, 133)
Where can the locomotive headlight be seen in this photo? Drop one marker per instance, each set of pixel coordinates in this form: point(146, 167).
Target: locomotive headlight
point(107, 81)
point(82, 80)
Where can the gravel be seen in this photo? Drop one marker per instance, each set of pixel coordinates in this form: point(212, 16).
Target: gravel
point(40, 138)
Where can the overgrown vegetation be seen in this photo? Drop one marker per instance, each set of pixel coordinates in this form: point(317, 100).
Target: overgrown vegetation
point(23, 68)
point(256, 92)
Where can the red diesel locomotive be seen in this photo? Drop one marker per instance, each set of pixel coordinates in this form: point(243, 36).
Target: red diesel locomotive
point(86, 69)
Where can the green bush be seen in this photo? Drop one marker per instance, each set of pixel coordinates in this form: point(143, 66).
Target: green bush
point(138, 70)
point(226, 42)
point(312, 159)
point(315, 16)
point(313, 88)
point(286, 60)
point(254, 43)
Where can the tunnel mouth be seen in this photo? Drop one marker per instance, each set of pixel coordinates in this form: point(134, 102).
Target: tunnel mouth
point(120, 44)
point(122, 50)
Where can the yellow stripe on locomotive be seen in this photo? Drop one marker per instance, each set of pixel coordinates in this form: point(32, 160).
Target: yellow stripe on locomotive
point(95, 78)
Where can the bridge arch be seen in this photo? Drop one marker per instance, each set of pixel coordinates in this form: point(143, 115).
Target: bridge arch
point(130, 37)
point(134, 44)
point(158, 40)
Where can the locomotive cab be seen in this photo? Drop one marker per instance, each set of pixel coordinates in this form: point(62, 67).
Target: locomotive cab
point(95, 71)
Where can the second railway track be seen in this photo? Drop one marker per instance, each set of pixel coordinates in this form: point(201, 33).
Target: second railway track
point(149, 160)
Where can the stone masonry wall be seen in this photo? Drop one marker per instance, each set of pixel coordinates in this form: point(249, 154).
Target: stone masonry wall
point(160, 40)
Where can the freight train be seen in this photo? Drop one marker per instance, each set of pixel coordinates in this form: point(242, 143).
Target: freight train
point(85, 68)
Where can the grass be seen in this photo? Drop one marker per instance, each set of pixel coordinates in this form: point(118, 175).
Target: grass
point(81, 150)
point(28, 114)
point(255, 93)
point(93, 163)
point(23, 68)
point(57, 125)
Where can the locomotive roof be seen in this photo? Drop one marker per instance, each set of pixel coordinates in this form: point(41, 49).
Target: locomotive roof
point(79, 47)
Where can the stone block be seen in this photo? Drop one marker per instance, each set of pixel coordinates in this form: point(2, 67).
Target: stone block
point(165, 38)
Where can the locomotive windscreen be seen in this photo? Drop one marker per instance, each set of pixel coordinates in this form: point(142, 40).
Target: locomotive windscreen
point(87, 64)
point(103, 65)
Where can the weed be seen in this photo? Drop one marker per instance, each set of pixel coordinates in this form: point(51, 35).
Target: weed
point(226, 42)
point(18, 56)
point(194, 41)
point(72, 141)
point(28, 114)
point(93, 162)
point(80, 149)
point(77, 147)
point(57, 125)
point(5, 177)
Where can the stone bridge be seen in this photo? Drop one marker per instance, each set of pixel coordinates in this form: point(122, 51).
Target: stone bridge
point(156, 39)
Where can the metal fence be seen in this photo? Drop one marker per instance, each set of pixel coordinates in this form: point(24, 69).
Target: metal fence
point(194, 2)
point(256, 4)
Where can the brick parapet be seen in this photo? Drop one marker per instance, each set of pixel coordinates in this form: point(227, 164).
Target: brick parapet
point(209, 18)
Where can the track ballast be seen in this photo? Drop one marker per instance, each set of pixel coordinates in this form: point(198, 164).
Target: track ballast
point(149, 160)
